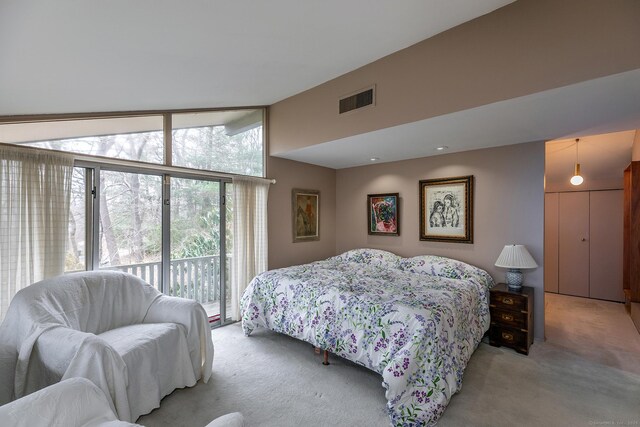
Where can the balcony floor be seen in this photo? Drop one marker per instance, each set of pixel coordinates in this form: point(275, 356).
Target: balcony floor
point(213, 309)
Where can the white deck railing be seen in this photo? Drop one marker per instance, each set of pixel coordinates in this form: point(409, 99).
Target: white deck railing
point(193, 278)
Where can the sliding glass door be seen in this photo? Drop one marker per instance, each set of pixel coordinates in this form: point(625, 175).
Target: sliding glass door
point(130, 237)
point(172, 232)
point(196, 244)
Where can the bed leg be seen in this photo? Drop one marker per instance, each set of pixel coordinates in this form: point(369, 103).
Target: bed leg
point(325, 357)
point(316, 350)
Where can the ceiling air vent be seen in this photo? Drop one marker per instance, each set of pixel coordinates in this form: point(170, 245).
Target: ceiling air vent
point(361, 99)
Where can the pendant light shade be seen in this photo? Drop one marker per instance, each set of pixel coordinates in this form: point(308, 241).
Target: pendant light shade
point(576, 179)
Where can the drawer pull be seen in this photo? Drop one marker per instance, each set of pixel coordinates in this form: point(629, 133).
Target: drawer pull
point(507, 317)
point(507, 300)
point(507, 336)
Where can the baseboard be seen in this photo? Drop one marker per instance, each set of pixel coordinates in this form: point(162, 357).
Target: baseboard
point(635, 314)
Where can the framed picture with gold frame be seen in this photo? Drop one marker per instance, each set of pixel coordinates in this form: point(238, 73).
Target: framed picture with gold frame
point(446, 209)
point(305, 212)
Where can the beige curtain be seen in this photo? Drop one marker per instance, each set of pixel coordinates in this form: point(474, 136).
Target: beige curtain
point(35, 188)
point(249, 236)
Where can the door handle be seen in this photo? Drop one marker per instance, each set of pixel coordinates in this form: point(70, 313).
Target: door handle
point(583, 239)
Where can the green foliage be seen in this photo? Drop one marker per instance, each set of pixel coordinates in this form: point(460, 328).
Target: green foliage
point(211, 148)
point(204, 242)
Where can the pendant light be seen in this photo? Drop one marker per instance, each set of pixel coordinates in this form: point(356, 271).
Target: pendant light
point(576, 179)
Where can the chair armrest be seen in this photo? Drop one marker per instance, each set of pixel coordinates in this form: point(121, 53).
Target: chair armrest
point(67, 353)
point(8, 360)
point(73, 402)
point(55, 349)
point(193, 317)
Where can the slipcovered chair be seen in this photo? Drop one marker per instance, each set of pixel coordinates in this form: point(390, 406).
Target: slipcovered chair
point(75, 402)
point(8, 360)
point(136, 344)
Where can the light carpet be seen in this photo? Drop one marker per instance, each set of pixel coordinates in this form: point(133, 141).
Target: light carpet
point(275, 380)
point(596, 330)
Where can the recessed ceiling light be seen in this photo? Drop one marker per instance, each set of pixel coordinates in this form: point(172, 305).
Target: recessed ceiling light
point(374, 159)
point(441, 148)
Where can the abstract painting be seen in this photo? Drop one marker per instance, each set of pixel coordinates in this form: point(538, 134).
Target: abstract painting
point(383, 213)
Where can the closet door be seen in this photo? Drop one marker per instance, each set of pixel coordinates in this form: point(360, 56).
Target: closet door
point(606, 231)
point(573, 245)
point(551, 242)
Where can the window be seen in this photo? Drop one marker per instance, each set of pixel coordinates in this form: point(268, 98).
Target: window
point(130, 229)
point(196, 243)
point(155, 202)
point(75, 259)
point(228, 141)
point(129, 138)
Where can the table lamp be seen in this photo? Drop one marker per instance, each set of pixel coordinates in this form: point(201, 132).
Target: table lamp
point(515, 258)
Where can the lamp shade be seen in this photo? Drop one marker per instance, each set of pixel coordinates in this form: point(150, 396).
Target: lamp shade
point(515, 256)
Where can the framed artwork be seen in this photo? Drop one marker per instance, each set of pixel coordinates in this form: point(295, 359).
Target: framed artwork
point(383, 213)
point(446, 209)
point(305, 212)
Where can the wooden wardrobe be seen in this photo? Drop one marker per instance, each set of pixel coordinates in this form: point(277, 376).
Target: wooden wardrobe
point(631, 269)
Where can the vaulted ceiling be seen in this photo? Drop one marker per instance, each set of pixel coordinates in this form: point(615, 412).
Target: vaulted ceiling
point(70, 56)
point(94, 56)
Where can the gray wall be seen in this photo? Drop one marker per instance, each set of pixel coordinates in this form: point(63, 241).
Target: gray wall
point(509, 207)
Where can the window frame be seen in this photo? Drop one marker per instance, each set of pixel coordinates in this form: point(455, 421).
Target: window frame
point(93, 165)
point(92, 219)
point(167, 164)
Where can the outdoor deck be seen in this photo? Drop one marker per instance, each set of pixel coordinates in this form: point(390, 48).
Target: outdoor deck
point(213, 309)
point(193, 278)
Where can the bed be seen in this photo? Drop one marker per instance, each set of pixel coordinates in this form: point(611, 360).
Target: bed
point(416, 321)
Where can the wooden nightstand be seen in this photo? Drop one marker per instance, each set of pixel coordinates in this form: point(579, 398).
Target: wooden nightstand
point(511, 317)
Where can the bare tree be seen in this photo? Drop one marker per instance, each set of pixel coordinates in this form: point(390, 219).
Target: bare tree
point(103, 148)
point(106, 229)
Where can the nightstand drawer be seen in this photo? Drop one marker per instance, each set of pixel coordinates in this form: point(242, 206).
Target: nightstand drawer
point(511, 337)
point(507, 301)
point(514, 319)
point(511, 317)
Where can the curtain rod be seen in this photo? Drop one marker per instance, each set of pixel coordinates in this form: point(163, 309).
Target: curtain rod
point(89, 160)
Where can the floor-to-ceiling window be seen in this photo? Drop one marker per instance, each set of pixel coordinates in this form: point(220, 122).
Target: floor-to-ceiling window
point(197, 230)
point(151, 194)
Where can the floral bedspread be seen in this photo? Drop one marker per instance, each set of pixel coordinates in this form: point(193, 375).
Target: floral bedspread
point(416, 321)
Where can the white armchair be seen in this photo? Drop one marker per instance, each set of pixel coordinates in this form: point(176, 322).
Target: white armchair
point(75, 402)
point(8, 359)
point(136, 344)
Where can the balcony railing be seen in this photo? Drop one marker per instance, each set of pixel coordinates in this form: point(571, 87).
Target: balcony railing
point(193, 278)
